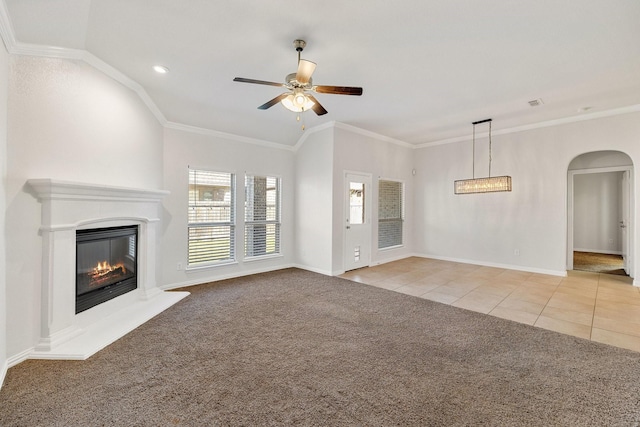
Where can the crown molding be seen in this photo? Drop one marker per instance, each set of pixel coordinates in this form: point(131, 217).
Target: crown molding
point(118, 76)
point(373, 135)
point(352, 129)
point(6, 28)
point(224, 135)
point(540, 125)
point(15, 47)
point(95, 62)
point(311, 131)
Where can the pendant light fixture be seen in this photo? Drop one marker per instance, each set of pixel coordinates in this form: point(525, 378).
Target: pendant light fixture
point(482, 185)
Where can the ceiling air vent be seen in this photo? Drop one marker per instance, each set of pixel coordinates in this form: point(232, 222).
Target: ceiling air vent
point(536, 102)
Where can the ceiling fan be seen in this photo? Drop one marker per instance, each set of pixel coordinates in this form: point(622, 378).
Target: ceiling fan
point(298, 99)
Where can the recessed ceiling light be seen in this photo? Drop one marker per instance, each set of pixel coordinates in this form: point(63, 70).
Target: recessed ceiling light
point(160, 69)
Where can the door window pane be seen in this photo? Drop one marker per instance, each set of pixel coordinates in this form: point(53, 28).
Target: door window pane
point(356, 203)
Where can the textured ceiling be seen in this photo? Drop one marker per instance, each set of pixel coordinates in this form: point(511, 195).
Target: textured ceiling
point(428, 68)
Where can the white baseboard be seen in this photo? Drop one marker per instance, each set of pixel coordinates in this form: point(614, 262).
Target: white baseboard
point(597, 251)
point(316, 270)
point(3, 373)
point(215, 278)
point(19, 358)
point(561, 273)
point(219, 277)
point(391, 259)
point(13, 361)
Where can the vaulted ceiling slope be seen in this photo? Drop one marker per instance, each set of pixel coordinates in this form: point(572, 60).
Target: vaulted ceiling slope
point(428, 67)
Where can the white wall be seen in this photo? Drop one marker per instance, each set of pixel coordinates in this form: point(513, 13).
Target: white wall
point(321, 162)
point(4, 89)
point(488, 228)
point(358, 151)
point(66, 121)
point(597, 203)
point(313, 201)
point(218, 153)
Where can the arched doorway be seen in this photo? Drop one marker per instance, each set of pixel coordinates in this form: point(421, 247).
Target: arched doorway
point(600, 211)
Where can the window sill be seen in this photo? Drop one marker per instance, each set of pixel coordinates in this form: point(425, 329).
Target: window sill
point(389, 248)
point(208, 266)
point(262, 257)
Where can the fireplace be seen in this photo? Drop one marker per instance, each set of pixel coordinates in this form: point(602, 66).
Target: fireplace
point(106, 264)
point(69, 329)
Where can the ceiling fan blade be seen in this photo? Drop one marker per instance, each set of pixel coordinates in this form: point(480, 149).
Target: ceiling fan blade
point(317, 108)
point(305, 70)
point(273, 102)
point(339, 90)
point(258, 82)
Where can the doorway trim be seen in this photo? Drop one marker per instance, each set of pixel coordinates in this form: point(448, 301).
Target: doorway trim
point(570, 211)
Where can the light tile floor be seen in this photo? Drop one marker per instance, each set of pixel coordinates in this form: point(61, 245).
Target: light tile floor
point(598, 307)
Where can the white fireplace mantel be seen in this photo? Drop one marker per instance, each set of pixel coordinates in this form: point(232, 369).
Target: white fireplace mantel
point(70, 206)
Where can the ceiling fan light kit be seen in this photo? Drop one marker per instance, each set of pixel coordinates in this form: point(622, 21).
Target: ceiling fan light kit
point(490, 184)
point(297, 102)
point(299, 84)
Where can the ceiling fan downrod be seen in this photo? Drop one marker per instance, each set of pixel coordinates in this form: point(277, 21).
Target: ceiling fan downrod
point(299, 45)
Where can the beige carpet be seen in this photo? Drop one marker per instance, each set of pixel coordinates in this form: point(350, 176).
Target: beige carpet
point(598, 263)
point(298, 348)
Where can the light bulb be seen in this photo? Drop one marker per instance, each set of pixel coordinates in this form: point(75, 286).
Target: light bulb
point(299, 100)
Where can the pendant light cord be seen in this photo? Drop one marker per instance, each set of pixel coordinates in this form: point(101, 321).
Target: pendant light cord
point(473, 159)
point(474, 146)
point(489, 149)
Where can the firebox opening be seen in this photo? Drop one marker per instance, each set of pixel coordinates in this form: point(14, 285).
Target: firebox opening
point(106, 264)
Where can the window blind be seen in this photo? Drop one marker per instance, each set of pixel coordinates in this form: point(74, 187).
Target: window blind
point(211, 219)
point(390, 213)
point(262, 215)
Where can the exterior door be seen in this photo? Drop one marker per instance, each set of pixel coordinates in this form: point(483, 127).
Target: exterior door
point(357, 224)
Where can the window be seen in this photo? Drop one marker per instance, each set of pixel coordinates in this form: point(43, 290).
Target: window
point(356, 203)
point(262, 216)
point(390, 213)
point(211, 217)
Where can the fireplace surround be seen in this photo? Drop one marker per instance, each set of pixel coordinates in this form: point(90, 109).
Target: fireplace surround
point(68, 210)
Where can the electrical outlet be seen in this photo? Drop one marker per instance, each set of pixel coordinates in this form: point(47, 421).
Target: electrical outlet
point(179, 266)
point(516, 252)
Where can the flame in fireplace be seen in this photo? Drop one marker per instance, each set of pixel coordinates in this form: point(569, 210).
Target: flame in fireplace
point(104, 268)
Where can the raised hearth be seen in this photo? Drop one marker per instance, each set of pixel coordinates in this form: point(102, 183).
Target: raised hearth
point(69, 208)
